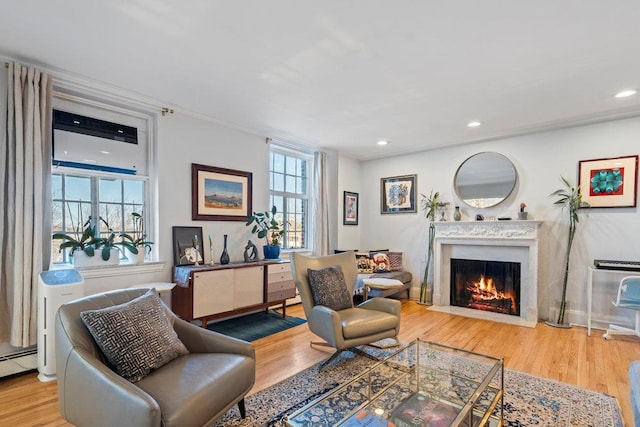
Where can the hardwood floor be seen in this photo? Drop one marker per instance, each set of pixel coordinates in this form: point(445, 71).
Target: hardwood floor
point(561, 354)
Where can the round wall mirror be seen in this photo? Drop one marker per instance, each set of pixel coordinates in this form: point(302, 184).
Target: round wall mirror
point(485, 180)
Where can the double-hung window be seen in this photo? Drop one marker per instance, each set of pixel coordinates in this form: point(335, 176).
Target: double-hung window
point(290, 172)
point(100, 173)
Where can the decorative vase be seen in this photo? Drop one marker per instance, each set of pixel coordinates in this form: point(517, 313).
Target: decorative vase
point(224, 258)
point(522, 215)
point(456, 214)
point(271, 251)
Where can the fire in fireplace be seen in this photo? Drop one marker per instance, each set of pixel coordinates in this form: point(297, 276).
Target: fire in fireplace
point(486, 285)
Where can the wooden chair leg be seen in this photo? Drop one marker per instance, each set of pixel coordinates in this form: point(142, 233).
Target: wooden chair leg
point(242, 408)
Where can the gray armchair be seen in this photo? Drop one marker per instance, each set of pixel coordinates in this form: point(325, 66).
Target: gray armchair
point(373, 320)
point(192, 390)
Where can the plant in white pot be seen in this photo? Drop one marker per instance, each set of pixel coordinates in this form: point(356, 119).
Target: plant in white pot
point(266, 226)
point(84, 244)
point(136, 242)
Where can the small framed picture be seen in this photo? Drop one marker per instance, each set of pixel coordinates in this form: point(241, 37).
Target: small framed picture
point(398, 194)
point(219, 194)
point(187, 245)
point(350, 208)
point(609, 183)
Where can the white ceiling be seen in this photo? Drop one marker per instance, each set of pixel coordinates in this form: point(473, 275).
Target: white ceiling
point(344, 74)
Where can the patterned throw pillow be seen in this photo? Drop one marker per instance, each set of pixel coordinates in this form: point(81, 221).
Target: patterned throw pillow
point(364, 262)
point(136, 337)
point(381, 262)
point(395, 261)
point(329, 288)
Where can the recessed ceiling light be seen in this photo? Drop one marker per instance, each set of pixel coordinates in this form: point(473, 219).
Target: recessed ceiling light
point(383, 142)
point(474, 124)
point(625, 93)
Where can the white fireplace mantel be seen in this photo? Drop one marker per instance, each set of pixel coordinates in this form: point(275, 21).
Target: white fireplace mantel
point(515, 241)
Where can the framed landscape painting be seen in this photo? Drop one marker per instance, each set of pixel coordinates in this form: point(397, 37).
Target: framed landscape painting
point(398, 194)
point(219, 194)
point(609, 183)
point(350, 208)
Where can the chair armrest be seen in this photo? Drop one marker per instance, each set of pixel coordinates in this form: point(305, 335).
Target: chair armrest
point(95, 395)
point(325, 323)
point(201, 340)
point(387, 305)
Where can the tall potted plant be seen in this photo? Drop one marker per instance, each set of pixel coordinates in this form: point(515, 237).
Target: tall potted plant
point(429, 206)
point(266, 226)
point(569, 198)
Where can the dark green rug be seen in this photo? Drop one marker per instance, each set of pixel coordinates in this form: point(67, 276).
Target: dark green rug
point(255, 326)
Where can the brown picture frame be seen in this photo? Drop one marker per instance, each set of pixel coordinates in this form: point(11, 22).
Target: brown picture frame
point(609, 182)
point(219, 194)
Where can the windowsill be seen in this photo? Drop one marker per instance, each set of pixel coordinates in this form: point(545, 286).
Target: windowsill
point(116, 270)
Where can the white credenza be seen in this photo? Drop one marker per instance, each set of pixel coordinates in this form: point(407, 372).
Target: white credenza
point(213, 292)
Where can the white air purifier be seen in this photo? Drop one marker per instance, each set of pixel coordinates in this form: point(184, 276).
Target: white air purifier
point(55, 287)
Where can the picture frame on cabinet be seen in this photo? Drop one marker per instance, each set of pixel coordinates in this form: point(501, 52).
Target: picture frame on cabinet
point(609, 182)
point(187, 245)
point(219, 194)
point(398, 194)
point(350, 208)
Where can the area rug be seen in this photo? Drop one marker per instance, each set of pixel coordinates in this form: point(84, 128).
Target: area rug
point(528, 400)
point(254, 326)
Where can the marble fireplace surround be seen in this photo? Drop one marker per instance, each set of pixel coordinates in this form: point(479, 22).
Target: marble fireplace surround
point(514, 241)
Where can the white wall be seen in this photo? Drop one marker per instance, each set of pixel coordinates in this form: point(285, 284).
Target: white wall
point(348, 180)
point(183, 140)
point(540, 159)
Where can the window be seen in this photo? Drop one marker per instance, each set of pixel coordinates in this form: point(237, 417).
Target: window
point(100, 175)
point(82, 199)
point(289, 193)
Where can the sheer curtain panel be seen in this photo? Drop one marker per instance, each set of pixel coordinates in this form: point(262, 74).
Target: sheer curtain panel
point(25, 202)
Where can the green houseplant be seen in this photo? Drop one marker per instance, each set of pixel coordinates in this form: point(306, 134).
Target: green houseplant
point(136, 242)
point(429, 205)
point(84, 244)
point(266, 226)
point(569, 198)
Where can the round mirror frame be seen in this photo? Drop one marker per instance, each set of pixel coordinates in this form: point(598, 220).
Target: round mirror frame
point(485, 179)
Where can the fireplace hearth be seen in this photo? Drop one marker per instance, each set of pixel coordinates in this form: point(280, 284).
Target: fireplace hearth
point(486, 285)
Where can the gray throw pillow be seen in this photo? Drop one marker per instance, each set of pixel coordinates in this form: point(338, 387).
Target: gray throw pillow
point(329, 288)
point(136, 337)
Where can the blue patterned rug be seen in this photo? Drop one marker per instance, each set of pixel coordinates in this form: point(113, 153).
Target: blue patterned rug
point(255, 326)
point(528, 400)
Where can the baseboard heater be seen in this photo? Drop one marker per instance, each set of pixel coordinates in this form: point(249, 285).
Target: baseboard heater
point(18, 361)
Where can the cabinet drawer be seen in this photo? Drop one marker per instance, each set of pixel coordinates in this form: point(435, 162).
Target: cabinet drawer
point(279, 277)
point(279, 268)
point(281, 286)
point(281, 295)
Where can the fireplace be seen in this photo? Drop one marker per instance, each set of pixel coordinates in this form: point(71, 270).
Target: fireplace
point(486, 285)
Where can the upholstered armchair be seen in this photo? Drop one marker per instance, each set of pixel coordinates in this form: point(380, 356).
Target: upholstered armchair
point(347, 327)
point(191, 390)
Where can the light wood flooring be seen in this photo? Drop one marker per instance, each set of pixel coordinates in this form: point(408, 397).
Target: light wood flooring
point(561, 354)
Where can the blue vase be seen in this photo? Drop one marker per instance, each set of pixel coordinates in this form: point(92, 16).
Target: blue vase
point(271, 251)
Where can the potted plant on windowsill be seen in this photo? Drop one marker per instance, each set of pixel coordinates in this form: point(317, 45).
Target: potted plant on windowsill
point(266, 226)
point(83, 246)
point(136, 242)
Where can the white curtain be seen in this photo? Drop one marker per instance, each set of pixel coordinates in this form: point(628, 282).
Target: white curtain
point(321, 209)
point(25, 202)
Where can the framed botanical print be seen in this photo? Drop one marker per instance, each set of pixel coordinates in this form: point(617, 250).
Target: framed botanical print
point(609, 183)
point(398, 194)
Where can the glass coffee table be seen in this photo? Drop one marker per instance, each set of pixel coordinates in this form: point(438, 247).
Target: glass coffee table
point(422, 384)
